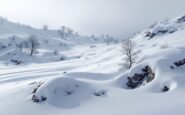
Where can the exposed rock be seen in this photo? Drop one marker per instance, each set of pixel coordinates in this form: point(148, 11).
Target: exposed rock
point(181, 19)
point(35, 98)
point(165, 89)
point(139, 78)
point(180, 63)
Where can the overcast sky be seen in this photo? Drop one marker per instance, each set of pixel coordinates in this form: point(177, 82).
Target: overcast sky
point(119, 18)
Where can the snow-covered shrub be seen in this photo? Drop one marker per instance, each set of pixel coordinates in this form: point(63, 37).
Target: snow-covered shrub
point(100, 93)
point(92, 46)
point(64, 90)
point(138, 79)
point(70, 89)
point(164, 46)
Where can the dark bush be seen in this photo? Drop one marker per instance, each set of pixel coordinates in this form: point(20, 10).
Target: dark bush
point(171, 67)
point(36, 99)
point(182, 19)
point(16, 61)
point(150, 35)
point(162, 31)
point(61, 59)
point(180, 63)
point(165, 89)
point(43, 98)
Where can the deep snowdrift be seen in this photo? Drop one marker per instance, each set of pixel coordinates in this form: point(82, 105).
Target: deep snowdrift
point(63, 92)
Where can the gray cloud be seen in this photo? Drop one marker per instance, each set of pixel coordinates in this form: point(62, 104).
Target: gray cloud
point(120, 18)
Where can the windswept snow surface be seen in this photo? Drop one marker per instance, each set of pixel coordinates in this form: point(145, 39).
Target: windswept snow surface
point(92, 80)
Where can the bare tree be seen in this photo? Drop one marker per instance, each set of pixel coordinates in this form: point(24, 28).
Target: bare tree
point(29, 46)
point(62, 32)
point(45, 27)
point(55, 52)
point(130, 53)
point(65, 32)
point(69, 32)
point(23, 46)
point(33, 44)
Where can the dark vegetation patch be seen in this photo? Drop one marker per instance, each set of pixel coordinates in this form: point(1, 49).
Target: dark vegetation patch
point(179, 63)
point(138, 79)
point(16, 61)
point(150, 35)
point(165, 88)
point(35, 98)
point(100, 93)
point(182, 19)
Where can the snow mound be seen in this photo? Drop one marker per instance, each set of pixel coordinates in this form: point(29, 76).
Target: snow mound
point(63, 92)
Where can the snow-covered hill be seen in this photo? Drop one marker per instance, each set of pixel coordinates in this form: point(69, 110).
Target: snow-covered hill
point(51, 43)
point(92, 79)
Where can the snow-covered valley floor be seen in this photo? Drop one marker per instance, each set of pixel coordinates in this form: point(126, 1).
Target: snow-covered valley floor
point(96, 70)
point(95, 66)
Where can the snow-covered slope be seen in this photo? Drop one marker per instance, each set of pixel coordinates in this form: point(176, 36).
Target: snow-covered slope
point(51, 43)
point(93, 80)
point(163, 28)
